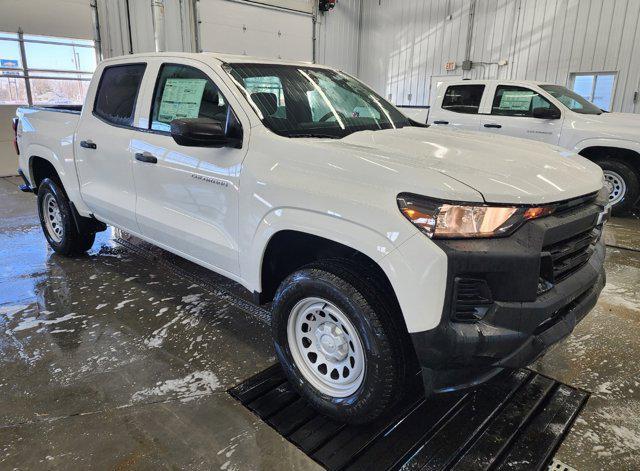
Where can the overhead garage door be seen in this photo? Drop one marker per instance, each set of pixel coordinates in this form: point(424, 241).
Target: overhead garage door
point(257, 30)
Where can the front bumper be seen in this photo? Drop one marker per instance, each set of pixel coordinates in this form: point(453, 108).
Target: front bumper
point(525, 316)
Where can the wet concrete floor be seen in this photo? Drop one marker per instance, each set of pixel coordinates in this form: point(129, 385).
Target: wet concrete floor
point(113, 361)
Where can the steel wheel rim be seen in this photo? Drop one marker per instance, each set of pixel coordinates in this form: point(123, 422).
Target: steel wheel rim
point(616, 186)
point(319, 334)
point(52, 217)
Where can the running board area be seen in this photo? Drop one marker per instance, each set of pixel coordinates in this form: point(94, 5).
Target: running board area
point(517, 421)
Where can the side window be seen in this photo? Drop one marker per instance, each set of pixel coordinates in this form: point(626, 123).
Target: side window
point(517, 101)
point(463, 98)
point(185, 92)
point(117, 93)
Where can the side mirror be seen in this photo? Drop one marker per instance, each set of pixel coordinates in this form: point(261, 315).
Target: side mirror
point(201, 132)
point(546, 113)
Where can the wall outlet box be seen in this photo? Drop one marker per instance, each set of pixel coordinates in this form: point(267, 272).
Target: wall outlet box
point(466, 65)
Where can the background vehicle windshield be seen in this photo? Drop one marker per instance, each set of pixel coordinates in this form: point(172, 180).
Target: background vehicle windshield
point(571, 100)
point(311, 102)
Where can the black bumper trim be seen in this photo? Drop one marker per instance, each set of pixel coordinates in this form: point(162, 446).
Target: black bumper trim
point(513, 333)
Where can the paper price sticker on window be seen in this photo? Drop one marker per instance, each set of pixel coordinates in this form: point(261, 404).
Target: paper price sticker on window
point(519, 100)
point(181, 98)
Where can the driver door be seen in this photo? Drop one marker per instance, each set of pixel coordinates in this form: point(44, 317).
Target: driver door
point(187, 197)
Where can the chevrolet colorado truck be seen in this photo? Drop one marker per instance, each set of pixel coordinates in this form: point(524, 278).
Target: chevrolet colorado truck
point(552, 114)
point(385, 248)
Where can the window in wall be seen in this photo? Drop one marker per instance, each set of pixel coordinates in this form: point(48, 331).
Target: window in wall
point(517, 101)
point(463, 98)
point(44, 70)
point(597, 88)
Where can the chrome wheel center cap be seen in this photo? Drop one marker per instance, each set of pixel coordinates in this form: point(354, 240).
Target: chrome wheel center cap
point(609, 186)
point(332, 341)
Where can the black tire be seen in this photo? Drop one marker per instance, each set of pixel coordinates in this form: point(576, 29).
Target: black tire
point(631, 182)
point(386, 348)
point(69, 241)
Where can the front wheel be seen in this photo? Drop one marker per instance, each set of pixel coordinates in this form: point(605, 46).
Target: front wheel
point(622, 183)
point(337, 343)
point(57, 221)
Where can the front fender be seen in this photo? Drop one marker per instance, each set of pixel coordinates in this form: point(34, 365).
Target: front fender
point(604, 142)
point(416, 269)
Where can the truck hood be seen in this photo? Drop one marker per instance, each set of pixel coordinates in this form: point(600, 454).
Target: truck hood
point(608, 125)
point(502, 169)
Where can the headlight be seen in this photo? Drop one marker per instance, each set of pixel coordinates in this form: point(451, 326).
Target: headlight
point(449, 220)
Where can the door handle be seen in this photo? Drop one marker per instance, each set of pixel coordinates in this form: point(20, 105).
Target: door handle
point(88, 144)
point(441, 122)
point(146, 157)
point(493, 125)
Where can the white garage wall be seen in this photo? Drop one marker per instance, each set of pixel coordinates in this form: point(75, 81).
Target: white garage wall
point(114, 28)
point(405, 43)
point(236, 27)
point(338, 36)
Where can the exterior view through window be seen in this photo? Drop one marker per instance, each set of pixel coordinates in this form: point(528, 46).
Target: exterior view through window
point(596, 88)
point(571, 100)
point(517, 101)
point(313, 102)
point(59, 69)
point(463, 98)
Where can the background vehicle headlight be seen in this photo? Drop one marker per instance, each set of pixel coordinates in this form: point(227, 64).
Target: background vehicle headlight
point(449, 220)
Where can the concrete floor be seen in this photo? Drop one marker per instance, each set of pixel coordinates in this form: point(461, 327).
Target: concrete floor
point(113, 361)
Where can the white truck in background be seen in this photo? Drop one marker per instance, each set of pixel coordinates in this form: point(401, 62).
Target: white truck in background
point(382, 245)
point(552, 114)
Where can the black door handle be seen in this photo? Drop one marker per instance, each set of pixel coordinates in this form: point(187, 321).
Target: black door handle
point(493, 125)
point(441, 122)
point(88, 144)
point(146, 157)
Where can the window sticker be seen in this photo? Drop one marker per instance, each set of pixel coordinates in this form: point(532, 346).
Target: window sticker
point(181, 98)
point(516, 100)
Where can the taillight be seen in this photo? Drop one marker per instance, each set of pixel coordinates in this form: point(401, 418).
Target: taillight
point(15, 135)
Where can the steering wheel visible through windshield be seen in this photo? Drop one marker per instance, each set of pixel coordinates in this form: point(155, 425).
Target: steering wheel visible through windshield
point(571, 100)
point(298, 101)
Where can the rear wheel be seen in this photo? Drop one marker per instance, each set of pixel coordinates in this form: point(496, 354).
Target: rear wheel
point(622, 183)
point(57, 221)
point(337, 342)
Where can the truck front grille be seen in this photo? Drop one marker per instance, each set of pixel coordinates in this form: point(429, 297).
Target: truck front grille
point(563, 258)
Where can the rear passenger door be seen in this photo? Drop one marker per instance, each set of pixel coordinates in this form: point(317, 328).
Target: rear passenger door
point(187, 197)
point(103, 145)
point(459, 107)
point(512, 115)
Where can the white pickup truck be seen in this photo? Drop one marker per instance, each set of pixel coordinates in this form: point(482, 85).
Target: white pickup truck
point(384, 246)
point(552, 114)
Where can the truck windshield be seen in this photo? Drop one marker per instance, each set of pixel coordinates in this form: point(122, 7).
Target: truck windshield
point(312, 102)
point(571, 100)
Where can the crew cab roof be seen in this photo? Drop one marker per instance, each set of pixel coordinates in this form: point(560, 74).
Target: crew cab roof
point(213, 56)
point(529, 83)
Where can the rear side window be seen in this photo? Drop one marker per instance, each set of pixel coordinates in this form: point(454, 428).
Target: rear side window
point(117, 93)
point(517, 101)
point(463, 98)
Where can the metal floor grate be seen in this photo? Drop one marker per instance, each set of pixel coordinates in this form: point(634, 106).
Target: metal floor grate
point(515, 422)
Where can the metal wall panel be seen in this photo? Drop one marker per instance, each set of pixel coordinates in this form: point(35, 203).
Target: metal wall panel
point(338, 36)
point(404, 44)
point(255, 30)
